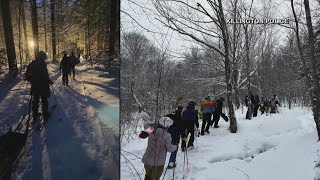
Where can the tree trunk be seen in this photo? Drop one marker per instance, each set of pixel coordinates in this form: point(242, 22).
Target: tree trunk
point(112, 34)
point(315, 79)
point(44, 5)
point(34, 15)
point(25, 33)
point(53, 30)
point(311, 84)
point(8, 34)
point(233, 120)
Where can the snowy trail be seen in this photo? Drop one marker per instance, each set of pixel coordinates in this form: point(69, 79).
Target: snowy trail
point(281, 146)
point(80, 140)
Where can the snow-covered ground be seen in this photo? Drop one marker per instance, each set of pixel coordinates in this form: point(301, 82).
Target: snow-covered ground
point(279, 147)
point(81, 138)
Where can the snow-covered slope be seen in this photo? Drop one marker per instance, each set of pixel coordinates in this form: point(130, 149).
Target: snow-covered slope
point(81, 138)
point(280, 147)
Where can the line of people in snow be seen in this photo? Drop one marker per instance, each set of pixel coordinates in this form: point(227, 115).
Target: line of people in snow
point(185, 121)
point(254, 104)
point(67, 65)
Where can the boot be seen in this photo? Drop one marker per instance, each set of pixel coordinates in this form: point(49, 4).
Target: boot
point(171, 165)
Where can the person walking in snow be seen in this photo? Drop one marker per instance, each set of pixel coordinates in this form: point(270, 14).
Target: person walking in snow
point(154, 158)
point(264, 105)
point(37, 74)
point(65, 66)
point(73, 60)
point(176, 130)
point(190, 120)
point(272, 104)
point(207, 108)
point(218, 112)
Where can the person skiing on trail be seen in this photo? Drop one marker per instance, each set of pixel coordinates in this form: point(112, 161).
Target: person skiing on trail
point(190, 120)
point(176, 130)
point(218, 112)
point(256, 104)
point(73, 61)
point(154, 158)
point(37, 74)
point(207, 108)
point(65, 66)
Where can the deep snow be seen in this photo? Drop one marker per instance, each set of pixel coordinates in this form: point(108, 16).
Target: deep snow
point(81, 138)
point(280, 147)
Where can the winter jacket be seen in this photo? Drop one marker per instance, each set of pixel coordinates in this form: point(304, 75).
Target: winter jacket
point(190, 117)
point(159, 143)
point(38, 76)
point(218, 107)
point(199, 112)
point(207, 107)
point(177, 125)
point(65, 65)
point(73, 60)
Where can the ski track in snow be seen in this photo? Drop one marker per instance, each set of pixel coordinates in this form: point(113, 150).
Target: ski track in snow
point(280, 147)
point(80, 140)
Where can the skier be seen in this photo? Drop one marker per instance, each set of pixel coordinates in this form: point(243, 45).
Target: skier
point(218, 112)
point(256, 104)
point(207, 108)
point(190, 120)
point(159, 143)
point(73, 61)
point(65, 66)
point(176, 130)
point(37, 74)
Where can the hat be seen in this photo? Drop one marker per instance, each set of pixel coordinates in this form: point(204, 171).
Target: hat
point(222, 99)
point(208, 98)
point(191, 103)
point(41, 56)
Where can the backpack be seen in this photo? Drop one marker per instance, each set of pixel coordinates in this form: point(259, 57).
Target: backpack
point(28, 74)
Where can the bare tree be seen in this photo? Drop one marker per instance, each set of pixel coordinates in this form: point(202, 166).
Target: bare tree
point(8, 33)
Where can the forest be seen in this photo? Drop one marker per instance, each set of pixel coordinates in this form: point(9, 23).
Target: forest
point(228, 60)
point(90, 28)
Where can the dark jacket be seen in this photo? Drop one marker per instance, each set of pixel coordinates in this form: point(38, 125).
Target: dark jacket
point(190, 117)
point(218, 108)
point(39, 78)
point(73, 60)
point(65, 65)
point(177, 125)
